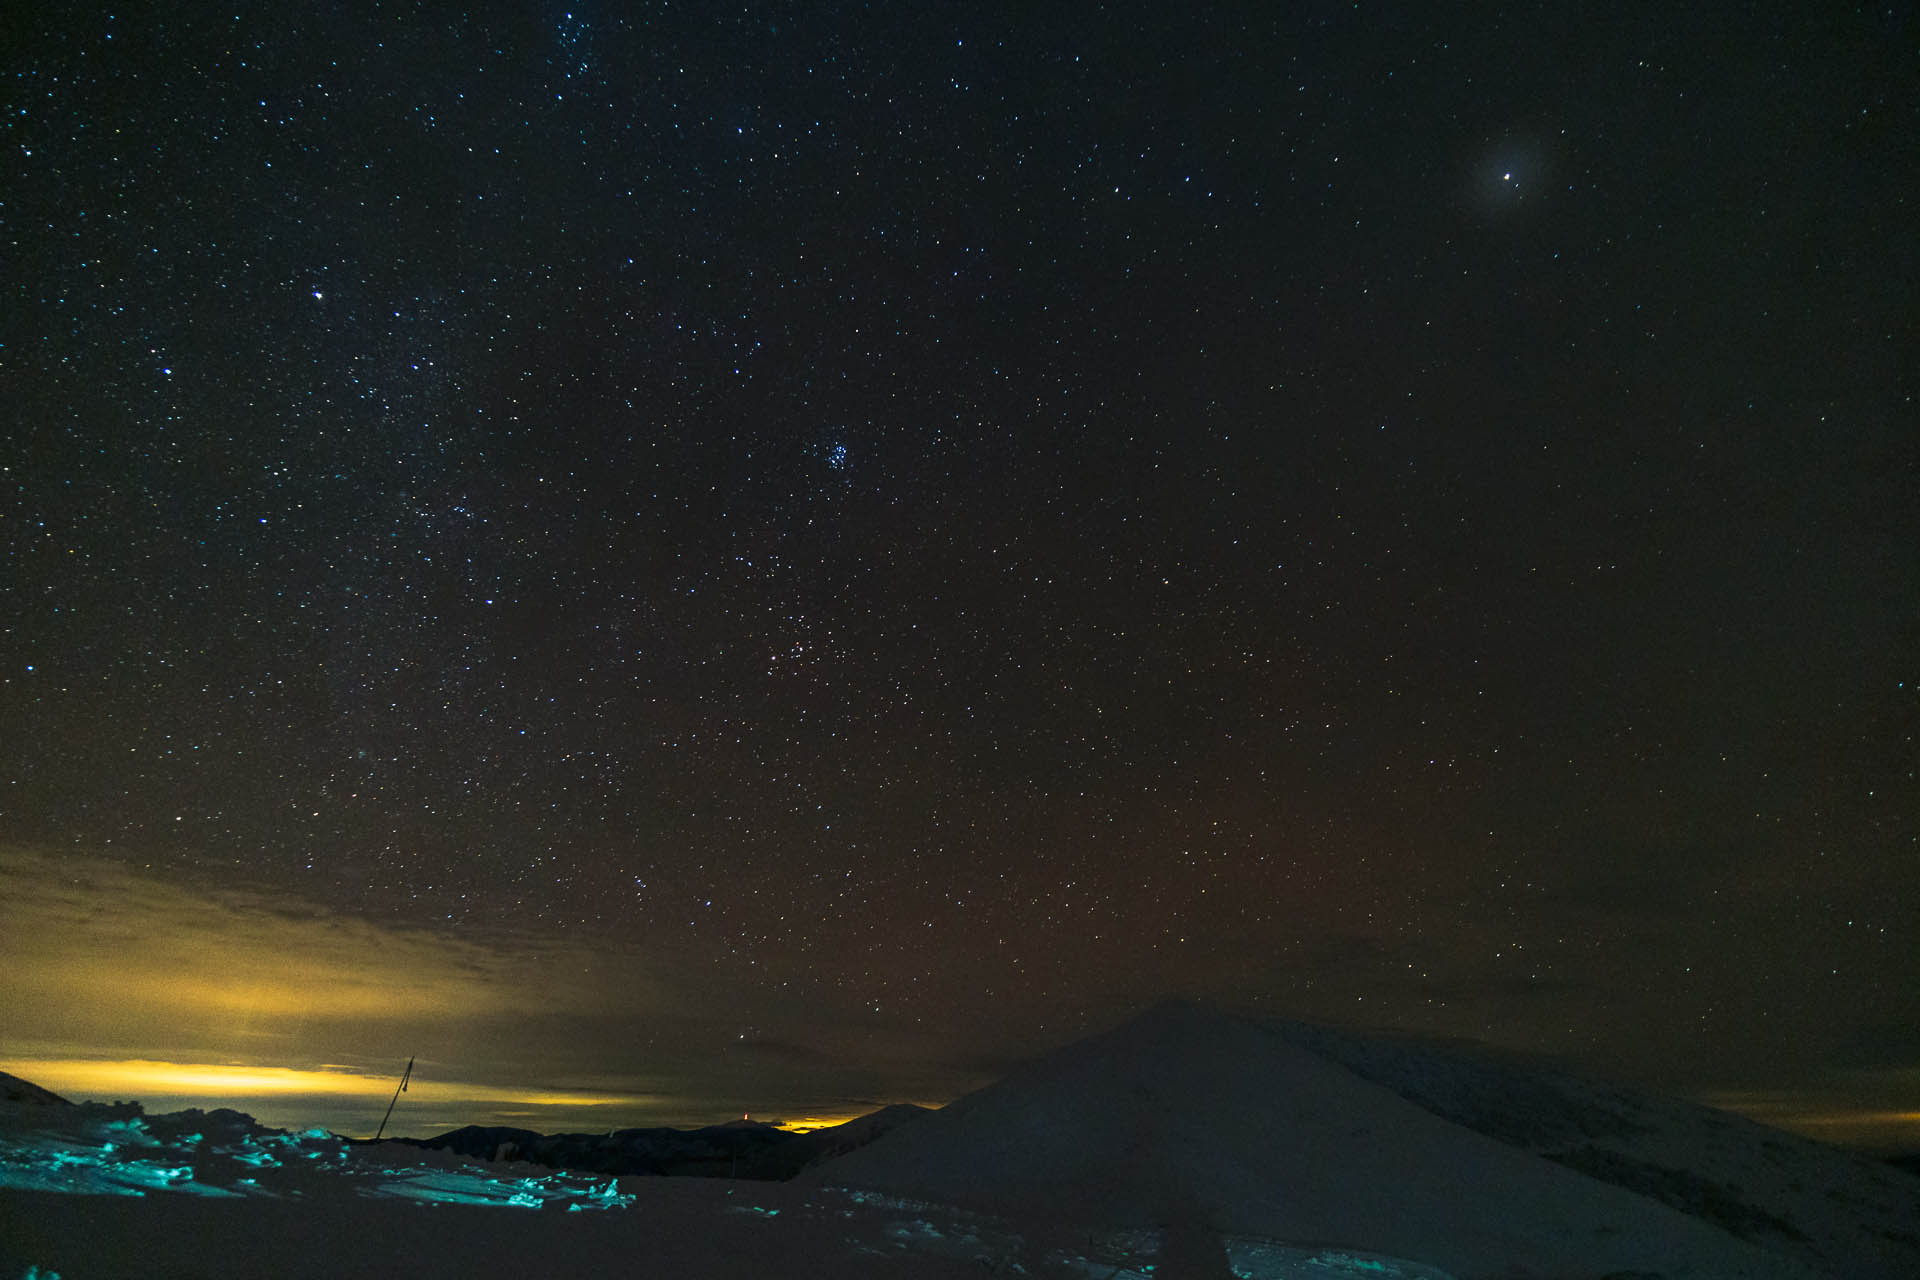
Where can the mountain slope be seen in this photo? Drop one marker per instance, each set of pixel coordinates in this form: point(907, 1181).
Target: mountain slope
point(837, 1140)
point(1188, 1117)
point(14, 1089)
point(1830, 1207)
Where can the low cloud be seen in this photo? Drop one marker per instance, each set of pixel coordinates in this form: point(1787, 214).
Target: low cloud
point(127, 984)
point(111, 963)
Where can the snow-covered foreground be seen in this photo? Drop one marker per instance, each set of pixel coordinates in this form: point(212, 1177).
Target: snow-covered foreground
point(1187, 1114)
point(1414, 1150)
point(1183, 1144)
point(96, 1191)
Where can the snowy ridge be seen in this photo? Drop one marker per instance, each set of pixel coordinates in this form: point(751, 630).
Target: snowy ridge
point(1226, 1126)
point(1836, 1209)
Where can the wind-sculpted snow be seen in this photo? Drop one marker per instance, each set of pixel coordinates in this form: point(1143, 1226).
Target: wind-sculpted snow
point(109, 1191)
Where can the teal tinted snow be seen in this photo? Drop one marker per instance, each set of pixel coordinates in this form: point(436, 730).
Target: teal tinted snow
point(443, 1186)
point(63, 1167)
point(134, 1156)
point(93, 1151)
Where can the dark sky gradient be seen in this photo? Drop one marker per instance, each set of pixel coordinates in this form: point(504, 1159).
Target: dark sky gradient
point(922, 527)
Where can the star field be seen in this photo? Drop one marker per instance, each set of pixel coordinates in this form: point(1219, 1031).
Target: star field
point(949, 521)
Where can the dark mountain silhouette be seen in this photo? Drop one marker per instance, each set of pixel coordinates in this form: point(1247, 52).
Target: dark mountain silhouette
point(14, 1089)
point(736, 1149)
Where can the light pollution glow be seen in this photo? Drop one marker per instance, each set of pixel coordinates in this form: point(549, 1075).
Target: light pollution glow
point(1864, 1125)
point(221, 1084)
point(137, 1077)
point(147, 991)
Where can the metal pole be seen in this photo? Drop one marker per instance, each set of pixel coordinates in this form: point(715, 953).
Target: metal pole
point(404, 1077)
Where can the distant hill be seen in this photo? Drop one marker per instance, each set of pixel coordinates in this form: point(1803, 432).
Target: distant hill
point(1762, 1184)
point(14, 1089)
point(736, 1149)
point(1192, 1120)
point(839, 1139)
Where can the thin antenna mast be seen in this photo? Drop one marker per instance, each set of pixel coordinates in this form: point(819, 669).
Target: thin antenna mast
point(404, 1077)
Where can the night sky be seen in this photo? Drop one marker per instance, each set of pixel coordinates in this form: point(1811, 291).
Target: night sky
point(682, 559)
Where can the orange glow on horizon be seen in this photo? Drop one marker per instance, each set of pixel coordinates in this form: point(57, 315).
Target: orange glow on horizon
point(133, 1077)
point(1867, 1129)
point(1824, 1120)
point(803, 1124)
